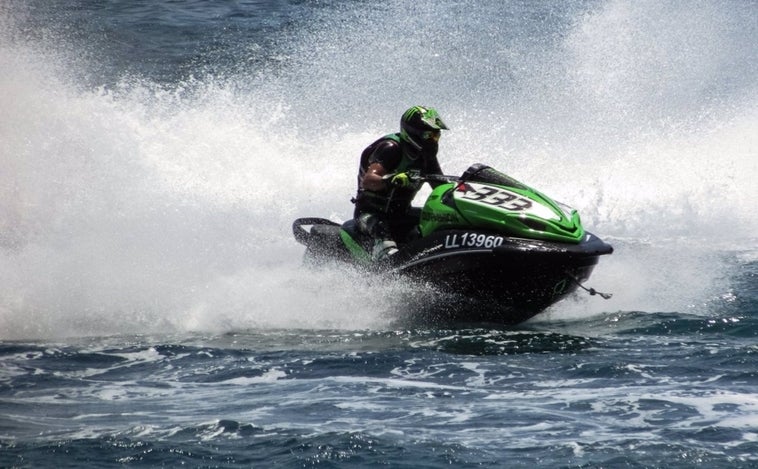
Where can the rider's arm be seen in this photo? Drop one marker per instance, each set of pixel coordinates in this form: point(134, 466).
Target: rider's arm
point(433, 167)
point(385, 158)
point(372, 180)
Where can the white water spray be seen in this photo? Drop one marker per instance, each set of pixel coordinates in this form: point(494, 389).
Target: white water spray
point(144, 208)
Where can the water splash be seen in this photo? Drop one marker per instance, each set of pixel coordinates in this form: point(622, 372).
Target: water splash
point(147, 206)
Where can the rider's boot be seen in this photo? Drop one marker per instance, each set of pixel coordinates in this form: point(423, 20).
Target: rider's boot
point(383, 248)
point(384, 245)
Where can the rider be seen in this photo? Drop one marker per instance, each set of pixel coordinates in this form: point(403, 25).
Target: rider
point(382, 202)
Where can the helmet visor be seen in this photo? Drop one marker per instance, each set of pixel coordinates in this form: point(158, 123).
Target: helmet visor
point(431, 135)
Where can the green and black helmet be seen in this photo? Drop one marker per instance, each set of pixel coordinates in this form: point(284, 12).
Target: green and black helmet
point(421, 127)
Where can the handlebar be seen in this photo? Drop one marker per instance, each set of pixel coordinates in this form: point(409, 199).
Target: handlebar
point(417, 177)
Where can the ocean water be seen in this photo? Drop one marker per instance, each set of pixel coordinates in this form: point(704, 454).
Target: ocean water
point(153, 306)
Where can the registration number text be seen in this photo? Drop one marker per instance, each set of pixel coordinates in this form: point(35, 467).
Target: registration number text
point(471, 240)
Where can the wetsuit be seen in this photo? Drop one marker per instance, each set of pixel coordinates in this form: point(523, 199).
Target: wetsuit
point(391, 204)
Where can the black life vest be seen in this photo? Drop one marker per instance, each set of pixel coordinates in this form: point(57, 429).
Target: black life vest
point(392, 200)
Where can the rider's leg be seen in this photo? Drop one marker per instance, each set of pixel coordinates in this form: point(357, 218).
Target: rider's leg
point(374, 225)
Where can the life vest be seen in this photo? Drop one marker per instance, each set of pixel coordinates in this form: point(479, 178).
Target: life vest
point(392, 200)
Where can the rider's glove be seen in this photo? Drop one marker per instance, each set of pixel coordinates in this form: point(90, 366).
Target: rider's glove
point(400, 180)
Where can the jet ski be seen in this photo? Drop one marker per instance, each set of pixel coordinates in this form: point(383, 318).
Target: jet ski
point(490, 248)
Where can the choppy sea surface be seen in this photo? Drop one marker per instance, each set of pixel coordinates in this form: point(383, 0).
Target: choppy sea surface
point(154, 310)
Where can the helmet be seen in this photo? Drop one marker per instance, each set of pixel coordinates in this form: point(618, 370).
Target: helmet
point(420, 126)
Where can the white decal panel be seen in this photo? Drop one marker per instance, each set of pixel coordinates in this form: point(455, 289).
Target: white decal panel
point(472, 240)
point(505, 200)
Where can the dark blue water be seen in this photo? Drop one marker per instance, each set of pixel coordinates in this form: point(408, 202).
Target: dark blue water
point(153, 307)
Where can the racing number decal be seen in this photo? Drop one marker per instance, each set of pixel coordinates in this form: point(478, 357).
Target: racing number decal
point(497, 198)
